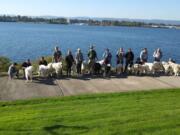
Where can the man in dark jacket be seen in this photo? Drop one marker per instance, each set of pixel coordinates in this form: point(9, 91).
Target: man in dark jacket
point(57, 56)
point(129, 59)
point(69, 62)
point(43, 61)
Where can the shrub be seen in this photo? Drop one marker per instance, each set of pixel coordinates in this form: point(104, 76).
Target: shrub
point(4, 64)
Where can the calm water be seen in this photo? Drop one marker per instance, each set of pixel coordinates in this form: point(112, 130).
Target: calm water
point(20, 41)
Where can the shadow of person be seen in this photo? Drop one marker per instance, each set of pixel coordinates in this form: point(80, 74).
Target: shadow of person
point(53, 129)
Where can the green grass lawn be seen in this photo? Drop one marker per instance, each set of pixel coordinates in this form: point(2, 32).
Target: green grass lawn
point(139, 113)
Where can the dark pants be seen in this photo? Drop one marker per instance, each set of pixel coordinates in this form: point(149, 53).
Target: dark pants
point(24, 72)
point(68, 70)
point(14, 73)
point(128, 63)
point(107, 70)
point(144, 61)
point(92, 66)
point(78, 67)
point(156, 60)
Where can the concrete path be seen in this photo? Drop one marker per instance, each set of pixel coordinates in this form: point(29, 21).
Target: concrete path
point(76, 87)
point(18, 89)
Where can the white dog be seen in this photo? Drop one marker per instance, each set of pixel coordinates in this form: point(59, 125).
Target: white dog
point(29, 73)
point(57, 67)
point(44, 71)
point(176, 68)
point(167, 67)
point(154, 67)
point(138, 69)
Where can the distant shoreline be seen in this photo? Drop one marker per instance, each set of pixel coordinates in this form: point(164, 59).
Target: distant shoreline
point(84, 22)
point(155, 27)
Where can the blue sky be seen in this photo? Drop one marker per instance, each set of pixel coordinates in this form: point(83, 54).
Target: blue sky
point(137, 9)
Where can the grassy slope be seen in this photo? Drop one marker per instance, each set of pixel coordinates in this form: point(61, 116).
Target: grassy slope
point(146, 113)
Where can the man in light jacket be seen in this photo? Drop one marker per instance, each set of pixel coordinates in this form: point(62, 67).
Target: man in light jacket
point(79, 59)
point(144, 55)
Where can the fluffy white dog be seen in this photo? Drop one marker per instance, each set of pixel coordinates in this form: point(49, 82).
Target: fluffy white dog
point(167, 68)
point(57, 67)
point(154, 67)
point(176, 68)
point(29, 73)
point(44, 71)
point(138, 69)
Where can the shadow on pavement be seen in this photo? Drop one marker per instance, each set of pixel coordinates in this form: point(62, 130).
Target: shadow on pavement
point(46, 81)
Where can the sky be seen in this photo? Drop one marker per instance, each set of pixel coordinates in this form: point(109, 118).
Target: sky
point(133, 9)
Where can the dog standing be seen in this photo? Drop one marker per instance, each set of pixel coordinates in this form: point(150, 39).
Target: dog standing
point(29, 73)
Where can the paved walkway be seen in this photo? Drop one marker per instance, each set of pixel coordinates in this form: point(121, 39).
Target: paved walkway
point(18, 89)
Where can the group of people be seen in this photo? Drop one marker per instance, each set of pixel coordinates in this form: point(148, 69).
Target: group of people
point(125, 59)
point(69, 59)
point(13, 70)
point(129, 57)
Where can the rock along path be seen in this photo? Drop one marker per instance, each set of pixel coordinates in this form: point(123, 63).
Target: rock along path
point(19, 89)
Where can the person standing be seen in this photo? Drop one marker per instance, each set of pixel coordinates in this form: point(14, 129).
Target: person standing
point(144, 55)
point(107, 56)
point(79, 59)
point(129, 59)
point(57, 56)
point(157, 55)
point(92, 56)
point(120, 59)
point(69, 62)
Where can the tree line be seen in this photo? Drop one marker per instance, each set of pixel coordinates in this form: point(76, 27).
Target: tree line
point(6, 18)
point(90, 22)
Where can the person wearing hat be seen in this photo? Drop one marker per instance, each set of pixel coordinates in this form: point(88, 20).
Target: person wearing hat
point(92, 56)
point(69, 62)
point(79, 59)
point(57, 56)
